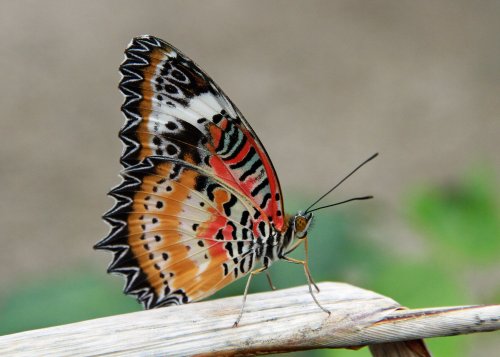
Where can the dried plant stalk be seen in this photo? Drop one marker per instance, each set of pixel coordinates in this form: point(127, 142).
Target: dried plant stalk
point(277, 321)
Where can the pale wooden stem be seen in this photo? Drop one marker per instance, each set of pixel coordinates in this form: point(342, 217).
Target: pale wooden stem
point(277, 321)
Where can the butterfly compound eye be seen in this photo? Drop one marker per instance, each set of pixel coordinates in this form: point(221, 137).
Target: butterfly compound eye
point(300, 224)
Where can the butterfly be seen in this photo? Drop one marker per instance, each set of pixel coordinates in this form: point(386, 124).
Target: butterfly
point(200, 204)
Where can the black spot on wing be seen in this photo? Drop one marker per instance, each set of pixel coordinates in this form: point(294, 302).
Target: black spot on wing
point(175, 171)
point(231, 138)
point(210, 191)
point(248, 157)
point(240, 245)
point(183, 141)
point(259, 187)
point(237, 149)
point(233, 230)
point(200, 183)
point(262, 228)
point(251, 170)
point(229, 247)
point(246, 234)
point(244, 218)
point(242, 265)
point(227, 206)
point(266, 198)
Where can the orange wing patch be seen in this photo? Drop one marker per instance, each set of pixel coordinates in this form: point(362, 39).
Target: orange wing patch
point(163, 234)
point(183, 232)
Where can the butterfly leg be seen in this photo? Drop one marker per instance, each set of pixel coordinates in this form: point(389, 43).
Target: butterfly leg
point(250, 276)
point(309, 283)
point(306, 266)
point(270, 281)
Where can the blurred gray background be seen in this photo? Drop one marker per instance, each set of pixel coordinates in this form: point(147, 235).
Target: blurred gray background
point(324, 84)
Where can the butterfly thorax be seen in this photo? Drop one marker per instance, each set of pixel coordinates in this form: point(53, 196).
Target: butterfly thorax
point(278, 244)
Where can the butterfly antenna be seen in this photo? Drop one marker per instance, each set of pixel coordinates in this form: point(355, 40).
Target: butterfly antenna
point(341, 202)
point(341, 181)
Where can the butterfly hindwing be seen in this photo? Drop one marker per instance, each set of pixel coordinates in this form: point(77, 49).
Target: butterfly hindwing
point(178, 235)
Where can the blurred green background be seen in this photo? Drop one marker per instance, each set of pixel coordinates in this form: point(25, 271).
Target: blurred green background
point(324, 84)
point(458, 224)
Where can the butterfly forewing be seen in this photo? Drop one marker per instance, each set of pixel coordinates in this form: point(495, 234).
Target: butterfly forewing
point(198, 188)
point(175, 110)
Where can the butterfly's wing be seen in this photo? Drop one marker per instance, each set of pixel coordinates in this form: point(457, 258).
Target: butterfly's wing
point(178, 235)
point(198, 190)
point(174, 109)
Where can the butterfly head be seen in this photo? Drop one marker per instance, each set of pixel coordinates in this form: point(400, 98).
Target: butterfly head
point(301, 223)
